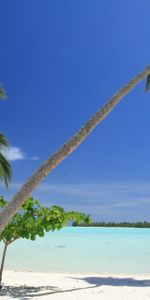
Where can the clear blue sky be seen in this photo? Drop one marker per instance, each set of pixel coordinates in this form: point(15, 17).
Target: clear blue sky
point(60, 61)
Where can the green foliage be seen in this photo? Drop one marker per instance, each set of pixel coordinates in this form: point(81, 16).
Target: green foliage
point(3, 94)
point(113, 224)
point(34, 220)
point(5, 167)
point(147, 87)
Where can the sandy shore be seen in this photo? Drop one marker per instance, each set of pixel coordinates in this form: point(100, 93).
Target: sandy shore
point(42, 286)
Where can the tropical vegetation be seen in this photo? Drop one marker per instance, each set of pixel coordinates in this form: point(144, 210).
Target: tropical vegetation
point(138, 224)
point(5, 167)
point(35, 220)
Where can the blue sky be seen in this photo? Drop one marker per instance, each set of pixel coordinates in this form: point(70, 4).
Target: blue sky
point(60, 61)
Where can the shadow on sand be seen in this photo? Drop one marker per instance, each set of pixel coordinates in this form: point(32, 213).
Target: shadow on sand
point(114, 281)
point(27, 292)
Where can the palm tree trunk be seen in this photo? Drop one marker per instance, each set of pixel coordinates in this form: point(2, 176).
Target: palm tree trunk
point(2, 263)
point(52, 162)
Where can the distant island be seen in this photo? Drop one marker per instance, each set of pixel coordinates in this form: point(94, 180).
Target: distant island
point(144, 224)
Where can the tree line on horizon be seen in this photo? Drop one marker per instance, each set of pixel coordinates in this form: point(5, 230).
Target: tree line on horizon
point(139, 224)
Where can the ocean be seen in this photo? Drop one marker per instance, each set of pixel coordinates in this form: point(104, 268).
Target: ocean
point(83, 250)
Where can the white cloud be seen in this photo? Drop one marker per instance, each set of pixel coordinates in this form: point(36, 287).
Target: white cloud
point(14, 153)
point(34, 158)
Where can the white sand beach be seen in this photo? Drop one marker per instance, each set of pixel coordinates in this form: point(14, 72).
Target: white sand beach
point(42, 286)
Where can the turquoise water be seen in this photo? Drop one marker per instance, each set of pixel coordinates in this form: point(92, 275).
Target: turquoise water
point(103, 250)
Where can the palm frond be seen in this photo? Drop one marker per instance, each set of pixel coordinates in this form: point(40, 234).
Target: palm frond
point(5, 170)
point(3, 94)
point(3, 141)
point(147, 87)
point(5, 167)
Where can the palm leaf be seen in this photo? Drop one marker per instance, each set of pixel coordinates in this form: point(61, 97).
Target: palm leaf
point(5, 167)
point(5, 170)
point(3, 94)
point(3, 141)
point(147, 87)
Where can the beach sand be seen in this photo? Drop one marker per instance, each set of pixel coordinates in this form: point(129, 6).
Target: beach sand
point(42, 286)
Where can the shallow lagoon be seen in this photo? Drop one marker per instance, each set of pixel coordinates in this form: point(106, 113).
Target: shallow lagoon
point(72, 249)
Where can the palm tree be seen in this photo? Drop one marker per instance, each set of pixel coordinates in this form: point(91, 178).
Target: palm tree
point(52, 162)
point(5, 167)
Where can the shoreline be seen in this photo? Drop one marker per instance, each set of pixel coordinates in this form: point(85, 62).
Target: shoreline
point(38, 285)
point(142, 275)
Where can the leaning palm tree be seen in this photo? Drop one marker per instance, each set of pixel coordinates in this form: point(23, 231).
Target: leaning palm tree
point(52, 162)
point(5, 167)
